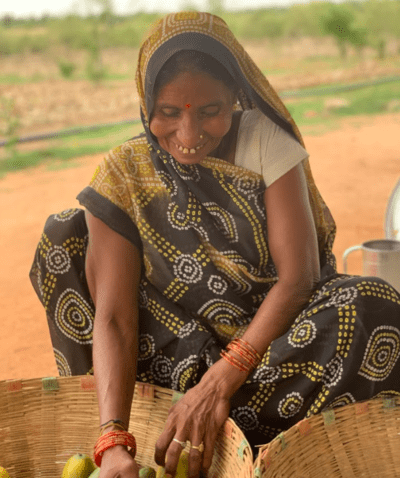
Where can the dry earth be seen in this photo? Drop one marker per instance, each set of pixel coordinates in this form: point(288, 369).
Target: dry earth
point(356, 167)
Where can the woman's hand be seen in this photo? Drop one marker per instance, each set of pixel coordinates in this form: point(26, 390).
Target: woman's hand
point(198, 417)
point(118, 463)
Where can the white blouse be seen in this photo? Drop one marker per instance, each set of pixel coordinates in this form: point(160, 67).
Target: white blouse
point(265, 148)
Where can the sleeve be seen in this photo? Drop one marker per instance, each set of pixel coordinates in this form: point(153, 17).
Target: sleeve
point(106, 198)
point(280, 152)
point(265, 148)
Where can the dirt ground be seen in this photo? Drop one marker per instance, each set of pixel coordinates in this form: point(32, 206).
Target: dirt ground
point(355, 167)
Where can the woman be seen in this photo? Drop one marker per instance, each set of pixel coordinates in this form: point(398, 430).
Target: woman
point(208, 228)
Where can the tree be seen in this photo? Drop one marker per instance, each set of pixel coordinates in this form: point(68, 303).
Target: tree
point(338, 23)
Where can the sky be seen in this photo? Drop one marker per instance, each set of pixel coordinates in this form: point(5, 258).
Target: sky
point(27, 8)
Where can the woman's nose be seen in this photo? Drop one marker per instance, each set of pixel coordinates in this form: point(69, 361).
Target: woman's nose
point(189, 131)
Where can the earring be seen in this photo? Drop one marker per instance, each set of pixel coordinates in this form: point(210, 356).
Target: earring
point(201, 136)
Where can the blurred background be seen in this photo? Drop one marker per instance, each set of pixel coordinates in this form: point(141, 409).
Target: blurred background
point(68, 95)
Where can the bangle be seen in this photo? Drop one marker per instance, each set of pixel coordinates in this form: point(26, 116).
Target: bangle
point(119, 422)
point(111, 439)
point(248, 353)
point(234, 361)
point(104, 427)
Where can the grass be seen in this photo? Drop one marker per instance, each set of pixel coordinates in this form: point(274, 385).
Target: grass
point(310, 113)
point(59, 152)
point(369, 100)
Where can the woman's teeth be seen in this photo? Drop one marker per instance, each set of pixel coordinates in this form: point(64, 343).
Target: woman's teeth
point(187, 150)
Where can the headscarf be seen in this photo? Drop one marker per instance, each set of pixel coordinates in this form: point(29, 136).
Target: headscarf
point(201, 227)
point(209, 34)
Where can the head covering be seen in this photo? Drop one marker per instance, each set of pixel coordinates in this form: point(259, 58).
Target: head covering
point(209, 34)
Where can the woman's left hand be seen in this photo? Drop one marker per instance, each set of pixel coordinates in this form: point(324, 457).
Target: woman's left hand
point(197, 417)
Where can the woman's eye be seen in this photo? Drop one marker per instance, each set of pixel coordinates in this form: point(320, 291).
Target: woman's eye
point(170, 112)
point(211, 111)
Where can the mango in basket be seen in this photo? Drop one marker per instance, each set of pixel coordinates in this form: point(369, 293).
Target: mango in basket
point(78, 466)
point(4, 473)
point(95, 474)
point(147, 472)
point(182, 470)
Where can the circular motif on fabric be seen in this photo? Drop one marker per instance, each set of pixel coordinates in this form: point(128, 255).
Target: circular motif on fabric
point(217, 284)
point(245, 417)
point(62, 364)
point(66, 215)
point(187, 329)
point(184, 372)
point(303, 334)
point(147, 347)
point(290, 405)
point(342, 400)
point(58, 260)
point(187, 269)
point(74, 317)
point(266, 374)
point(169, 183)
point(247, 184)
point(224, 312)
point(161, 369)
point(177, 219)
point(382, 353)
point(342, 297)
point(333, 372)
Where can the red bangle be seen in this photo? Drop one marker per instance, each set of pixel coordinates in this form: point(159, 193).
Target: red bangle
point(234, 361)
point(114, 438)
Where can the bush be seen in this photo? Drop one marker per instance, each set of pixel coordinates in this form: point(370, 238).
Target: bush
point(66, 68)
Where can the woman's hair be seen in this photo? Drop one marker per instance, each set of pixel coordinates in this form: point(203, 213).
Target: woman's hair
point(194, 62)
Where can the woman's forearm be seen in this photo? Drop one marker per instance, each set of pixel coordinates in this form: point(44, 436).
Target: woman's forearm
point(277, 312)
point(114, 360)
point(274, 317)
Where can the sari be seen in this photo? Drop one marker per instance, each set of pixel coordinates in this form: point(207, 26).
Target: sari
point(206, 266)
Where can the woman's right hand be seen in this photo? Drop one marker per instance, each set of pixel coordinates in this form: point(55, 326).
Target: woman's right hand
point(118, 463)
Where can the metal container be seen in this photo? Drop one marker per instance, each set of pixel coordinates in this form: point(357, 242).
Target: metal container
point(380, 258)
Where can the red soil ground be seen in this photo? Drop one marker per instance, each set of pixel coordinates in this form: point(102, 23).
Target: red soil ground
point(355, 167)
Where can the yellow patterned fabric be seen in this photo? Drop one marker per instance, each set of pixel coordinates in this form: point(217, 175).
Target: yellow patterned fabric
point(176, 24)
point(206, 266)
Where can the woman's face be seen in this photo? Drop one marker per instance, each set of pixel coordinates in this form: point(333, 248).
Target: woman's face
point(190, 106)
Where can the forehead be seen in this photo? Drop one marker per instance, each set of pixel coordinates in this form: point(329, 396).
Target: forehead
point(193, 88)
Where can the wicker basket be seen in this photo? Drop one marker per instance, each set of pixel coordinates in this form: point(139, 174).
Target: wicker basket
point(45, 421)
point(357, 440)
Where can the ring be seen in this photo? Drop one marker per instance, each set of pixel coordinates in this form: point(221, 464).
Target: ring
point(200, 447)
point(181, 443)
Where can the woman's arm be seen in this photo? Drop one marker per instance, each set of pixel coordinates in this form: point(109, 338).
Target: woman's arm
point(113, 268)
point(293, 245)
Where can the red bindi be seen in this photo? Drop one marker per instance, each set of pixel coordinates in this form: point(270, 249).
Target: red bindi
point(188, 105)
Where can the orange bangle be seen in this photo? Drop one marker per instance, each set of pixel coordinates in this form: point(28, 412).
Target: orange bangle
point(245, 351)
point(114, 438)
point(234, 361)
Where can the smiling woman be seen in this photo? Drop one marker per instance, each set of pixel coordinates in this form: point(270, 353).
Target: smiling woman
point(204, 263)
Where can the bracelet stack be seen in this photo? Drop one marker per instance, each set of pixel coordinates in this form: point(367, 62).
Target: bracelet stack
point(249, 357)
point(114, 438)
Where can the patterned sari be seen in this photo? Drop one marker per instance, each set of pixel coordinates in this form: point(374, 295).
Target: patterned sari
point(206, 266)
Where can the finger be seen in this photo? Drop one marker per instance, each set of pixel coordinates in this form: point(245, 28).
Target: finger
point(173, 456)
point(209, 445)
point(163, 443)
point(196, 456)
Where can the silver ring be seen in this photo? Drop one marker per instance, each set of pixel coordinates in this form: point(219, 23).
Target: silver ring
point(181, 443)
